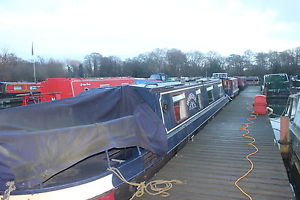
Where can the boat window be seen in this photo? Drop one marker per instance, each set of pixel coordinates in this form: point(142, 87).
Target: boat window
point(210, 94)
point(33, 87)
point(199, 97)
point(226, 84)
point(180, 108)
point(17, 87)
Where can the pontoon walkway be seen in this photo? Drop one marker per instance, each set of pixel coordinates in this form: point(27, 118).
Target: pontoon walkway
point(211, 163)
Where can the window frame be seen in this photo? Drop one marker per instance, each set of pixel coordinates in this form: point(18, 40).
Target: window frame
point(181, 99)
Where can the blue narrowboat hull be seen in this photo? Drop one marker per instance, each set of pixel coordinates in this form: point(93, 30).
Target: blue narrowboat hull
point(176, 141)
point(143, 164)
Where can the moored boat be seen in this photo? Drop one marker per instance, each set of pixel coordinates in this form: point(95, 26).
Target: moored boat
point(62, 149)
point(252, 80)
point(231, 87)
point(294, 115)
point(230, 84)
point(276, 86)
point(295, 83)
point(242, 82)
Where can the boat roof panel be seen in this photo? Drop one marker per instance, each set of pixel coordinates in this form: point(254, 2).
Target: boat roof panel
point(167, 86)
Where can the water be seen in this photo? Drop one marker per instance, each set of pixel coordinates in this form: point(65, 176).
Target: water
point(279, 107)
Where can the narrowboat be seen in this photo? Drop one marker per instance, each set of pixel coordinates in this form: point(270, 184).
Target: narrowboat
point(12, 89)
point(294, 126)
point(276, 86)
point(62, 149)
point(158, 77)
point(60, 88)
point(252, 80)
point(219, 75)
point(242, 82)
point(295, 83)
point(231, 86)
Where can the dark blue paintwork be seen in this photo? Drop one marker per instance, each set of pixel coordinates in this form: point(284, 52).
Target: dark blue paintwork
point(142, 166)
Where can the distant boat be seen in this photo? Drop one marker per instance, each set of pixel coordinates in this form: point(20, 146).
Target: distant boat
point(62, 149)
point(295, 83)
point(242, 82)
point(12, 89)
point(276, 86)
point(230, 84)
point(252, 80)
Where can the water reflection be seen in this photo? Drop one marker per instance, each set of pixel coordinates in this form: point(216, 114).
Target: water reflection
point(279, 106)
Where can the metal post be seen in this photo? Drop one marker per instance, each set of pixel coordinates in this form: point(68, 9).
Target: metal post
point(34, 72)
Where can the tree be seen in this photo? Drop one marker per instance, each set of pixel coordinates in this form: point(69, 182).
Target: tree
point(214, 63)
point(196, 61)
point(235, 65)
point(92, 64)
point(177, 63)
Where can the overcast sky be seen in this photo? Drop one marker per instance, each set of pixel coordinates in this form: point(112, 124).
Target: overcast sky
point(125, 28)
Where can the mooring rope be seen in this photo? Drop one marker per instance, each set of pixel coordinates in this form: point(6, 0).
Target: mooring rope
point(11, 187)
point(246, 135)
point(156, 187)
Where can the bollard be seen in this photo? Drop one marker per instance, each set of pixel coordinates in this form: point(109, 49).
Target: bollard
point(284, 136)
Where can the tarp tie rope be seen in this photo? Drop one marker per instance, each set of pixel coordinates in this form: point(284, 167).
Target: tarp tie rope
point(156, 187)
point(246, 135)
point(11, 187)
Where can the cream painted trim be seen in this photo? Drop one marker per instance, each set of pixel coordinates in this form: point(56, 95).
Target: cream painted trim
point(79, 192)
point(178, 97)
point(172, 91)
point(72, 89)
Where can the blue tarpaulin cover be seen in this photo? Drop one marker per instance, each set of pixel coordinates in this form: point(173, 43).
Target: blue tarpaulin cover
point(38, 141)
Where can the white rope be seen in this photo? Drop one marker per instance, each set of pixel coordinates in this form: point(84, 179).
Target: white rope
point(11, 187)
point(156, 187)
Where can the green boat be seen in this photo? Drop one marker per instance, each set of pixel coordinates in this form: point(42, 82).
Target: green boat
point(276, 86)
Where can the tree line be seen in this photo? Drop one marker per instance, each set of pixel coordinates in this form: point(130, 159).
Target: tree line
point(173, 62)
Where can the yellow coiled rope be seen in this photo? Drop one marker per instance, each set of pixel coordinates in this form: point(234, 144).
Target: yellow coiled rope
point(157, 187)
point(246, 135)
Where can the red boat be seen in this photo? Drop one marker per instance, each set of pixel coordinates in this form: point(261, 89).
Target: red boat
point(11, 92)
point(242, 82)
point(8, 89)
point(60, 88)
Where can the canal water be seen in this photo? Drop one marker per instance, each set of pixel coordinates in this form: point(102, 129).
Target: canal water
point(280, 107)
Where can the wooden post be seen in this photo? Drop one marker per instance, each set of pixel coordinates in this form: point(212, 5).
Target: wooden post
point(284, 135)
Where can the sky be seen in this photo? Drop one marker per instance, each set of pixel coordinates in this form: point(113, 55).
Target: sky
point(72, 29)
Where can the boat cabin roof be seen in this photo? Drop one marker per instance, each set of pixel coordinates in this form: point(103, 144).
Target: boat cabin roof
point(275, 77)
point(168, 86)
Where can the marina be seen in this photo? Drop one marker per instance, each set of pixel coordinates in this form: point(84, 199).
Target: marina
point(210, 164)
point(135, 131)
point(150, 100)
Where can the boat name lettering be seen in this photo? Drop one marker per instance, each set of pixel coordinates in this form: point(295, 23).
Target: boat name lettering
point(85, 84)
